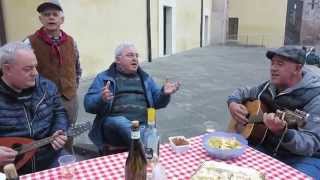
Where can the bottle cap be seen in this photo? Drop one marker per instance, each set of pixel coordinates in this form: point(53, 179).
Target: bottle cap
point(10, 171)
point(135, 123)
point(151, 115)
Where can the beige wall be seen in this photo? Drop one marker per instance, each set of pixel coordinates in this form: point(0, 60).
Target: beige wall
point(188, 24)
point(99, 25)
point(188, 17)
point(260, 21)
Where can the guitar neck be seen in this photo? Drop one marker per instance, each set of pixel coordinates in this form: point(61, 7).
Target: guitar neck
point(74, 131)
point(35, 145)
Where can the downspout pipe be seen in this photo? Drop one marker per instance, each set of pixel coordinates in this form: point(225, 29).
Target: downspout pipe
point(201, 23)
point(3, 38)
point(149, 53)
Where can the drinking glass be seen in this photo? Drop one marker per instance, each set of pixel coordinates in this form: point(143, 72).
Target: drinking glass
point(209, 126)
point(67, 168)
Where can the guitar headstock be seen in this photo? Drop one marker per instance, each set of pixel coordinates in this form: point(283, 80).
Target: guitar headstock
point(79, 129)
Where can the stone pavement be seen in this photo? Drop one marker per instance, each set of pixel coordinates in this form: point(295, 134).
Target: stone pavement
point(208, 75)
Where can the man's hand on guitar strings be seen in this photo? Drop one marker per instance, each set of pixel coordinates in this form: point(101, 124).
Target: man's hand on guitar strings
point(7, 155)
point(59, 139)
point(274, 123)
point(239, 112)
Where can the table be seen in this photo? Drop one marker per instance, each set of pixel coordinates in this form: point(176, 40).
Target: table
point(177, 166)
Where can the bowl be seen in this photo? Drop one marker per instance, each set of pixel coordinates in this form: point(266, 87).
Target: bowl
point(179, 144)
point(224, 145)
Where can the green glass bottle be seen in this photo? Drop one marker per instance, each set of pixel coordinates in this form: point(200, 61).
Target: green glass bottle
point(136, 163)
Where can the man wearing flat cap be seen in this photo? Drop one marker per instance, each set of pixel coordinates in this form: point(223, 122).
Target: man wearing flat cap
point(291, 87)
point(58, 57)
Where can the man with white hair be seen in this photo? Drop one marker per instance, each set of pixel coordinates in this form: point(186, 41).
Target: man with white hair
point(122, 94)
point(58, 57)
point(30, 107)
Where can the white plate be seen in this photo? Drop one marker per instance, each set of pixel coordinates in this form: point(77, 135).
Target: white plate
point(211, 169)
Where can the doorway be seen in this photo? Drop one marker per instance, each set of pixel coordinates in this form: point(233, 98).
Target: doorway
point(167, 30)
point(206, 30)
point(167, 23)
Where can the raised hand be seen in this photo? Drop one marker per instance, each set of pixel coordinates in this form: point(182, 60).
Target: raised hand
point(106, 93)
point(7, 155)
point(59, 139)
point(170, 87)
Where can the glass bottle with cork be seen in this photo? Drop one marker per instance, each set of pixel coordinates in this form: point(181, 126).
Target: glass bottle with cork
point(136, 163)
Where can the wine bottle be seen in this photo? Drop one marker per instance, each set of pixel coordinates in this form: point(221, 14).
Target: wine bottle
point(151, 137)
point(136, 163)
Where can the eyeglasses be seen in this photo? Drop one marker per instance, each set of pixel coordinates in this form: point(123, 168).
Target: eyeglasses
point(132, 55)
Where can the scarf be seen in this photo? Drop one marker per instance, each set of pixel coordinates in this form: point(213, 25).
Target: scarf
point(55, 45)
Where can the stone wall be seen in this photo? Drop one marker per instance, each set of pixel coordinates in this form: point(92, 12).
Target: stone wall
point(310, 28)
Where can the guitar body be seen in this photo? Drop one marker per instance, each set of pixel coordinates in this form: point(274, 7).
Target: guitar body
point(18, 143)
point(255, 131)
point(26, 147)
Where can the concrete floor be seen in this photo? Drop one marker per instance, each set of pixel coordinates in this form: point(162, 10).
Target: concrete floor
point(208, 75)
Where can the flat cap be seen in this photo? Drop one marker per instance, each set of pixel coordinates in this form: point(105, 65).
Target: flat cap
point(294, 54)
point(54, 4)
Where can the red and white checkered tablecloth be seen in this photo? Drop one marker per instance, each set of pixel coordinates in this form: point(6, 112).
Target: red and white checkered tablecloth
point(177, 166)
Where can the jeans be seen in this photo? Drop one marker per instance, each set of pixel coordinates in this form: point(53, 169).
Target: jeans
point(117, 131)
point(307, 165)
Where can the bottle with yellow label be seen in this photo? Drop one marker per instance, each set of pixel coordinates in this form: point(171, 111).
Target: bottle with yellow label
point(151, 137)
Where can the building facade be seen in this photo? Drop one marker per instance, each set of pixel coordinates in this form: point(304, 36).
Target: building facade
point(257, 22)
point(99, 26)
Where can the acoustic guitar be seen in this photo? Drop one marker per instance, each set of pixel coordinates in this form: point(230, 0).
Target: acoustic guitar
point(27, 147)
point(255, 130)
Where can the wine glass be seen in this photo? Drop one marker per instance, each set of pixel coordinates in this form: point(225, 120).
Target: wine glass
point(67, 168)
point(209, 126)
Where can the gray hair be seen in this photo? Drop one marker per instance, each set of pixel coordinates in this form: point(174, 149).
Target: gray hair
point(118, 51)
point(8, 52)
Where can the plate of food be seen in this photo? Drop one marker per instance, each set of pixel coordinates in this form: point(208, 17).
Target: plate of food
point(212, 170)
point(223, 145)
point(179, 144)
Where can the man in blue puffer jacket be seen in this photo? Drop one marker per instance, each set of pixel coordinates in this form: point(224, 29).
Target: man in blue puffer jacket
point(30, 106)
point(122, 94)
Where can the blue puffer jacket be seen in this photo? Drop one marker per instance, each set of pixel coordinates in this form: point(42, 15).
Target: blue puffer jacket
point(36, 117)
point(94, 104)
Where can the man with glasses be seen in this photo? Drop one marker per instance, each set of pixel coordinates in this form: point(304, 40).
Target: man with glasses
point(122, 94)
point(58, 57)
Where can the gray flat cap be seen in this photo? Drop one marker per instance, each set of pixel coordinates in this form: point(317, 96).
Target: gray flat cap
point(54, 4)
point(294, 54)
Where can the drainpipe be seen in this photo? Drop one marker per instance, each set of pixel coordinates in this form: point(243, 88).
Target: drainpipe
point(3, 38)
point(201, 23)
point(149, 32)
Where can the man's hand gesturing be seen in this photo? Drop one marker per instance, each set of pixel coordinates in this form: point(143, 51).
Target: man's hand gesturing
point(106, 93)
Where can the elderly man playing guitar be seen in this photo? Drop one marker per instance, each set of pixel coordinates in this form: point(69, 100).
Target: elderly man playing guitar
point(289, 108)
point(30, 107)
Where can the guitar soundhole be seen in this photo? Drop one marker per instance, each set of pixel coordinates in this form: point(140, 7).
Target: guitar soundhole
point(18, 148)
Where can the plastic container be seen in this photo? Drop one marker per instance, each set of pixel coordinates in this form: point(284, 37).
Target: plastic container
point(179, 147)
point(225, 153)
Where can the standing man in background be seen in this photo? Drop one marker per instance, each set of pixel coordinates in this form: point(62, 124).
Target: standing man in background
point(58, 57)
